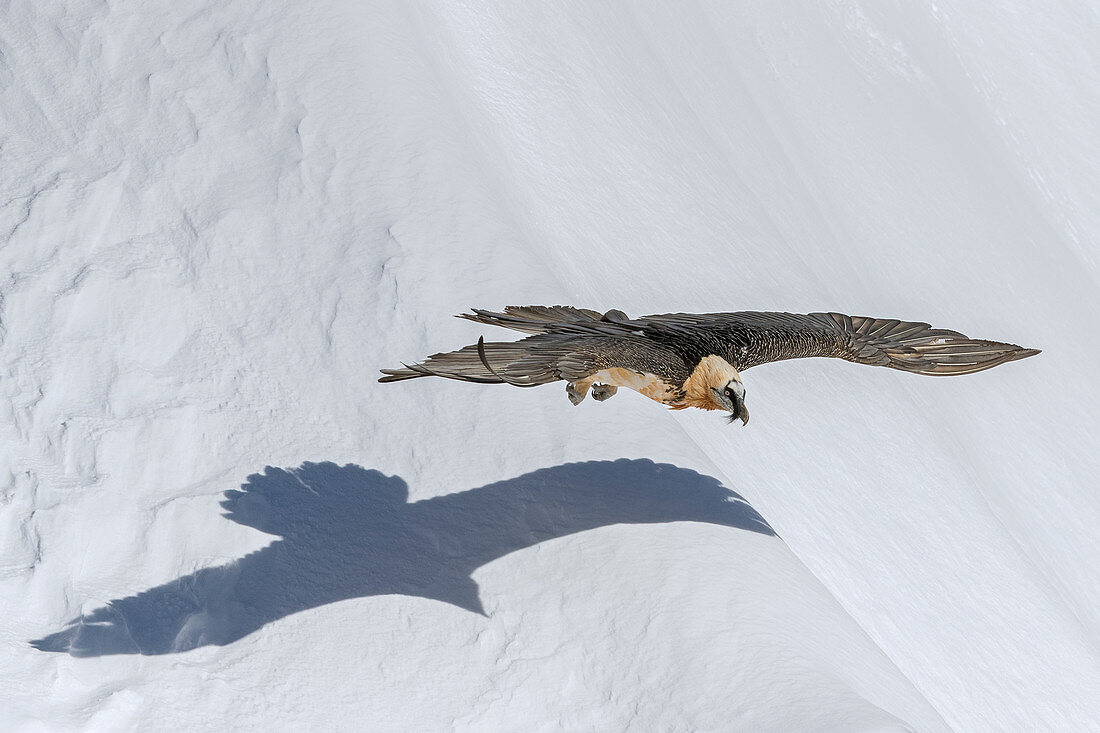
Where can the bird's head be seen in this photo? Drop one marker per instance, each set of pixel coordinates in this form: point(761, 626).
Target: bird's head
point(715, 384)
point(731, 396)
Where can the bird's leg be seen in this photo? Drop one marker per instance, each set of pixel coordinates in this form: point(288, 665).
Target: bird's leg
point(577, 390)
point(601, 392)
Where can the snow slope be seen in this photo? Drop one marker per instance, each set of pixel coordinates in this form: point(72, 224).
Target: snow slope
point(220, 219)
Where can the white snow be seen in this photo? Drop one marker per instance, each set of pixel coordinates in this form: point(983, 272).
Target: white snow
point(219, 220)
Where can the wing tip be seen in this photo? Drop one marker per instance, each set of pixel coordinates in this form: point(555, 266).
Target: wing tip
point(399, 375)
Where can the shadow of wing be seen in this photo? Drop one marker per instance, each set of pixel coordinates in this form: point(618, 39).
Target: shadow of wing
point(348, 532)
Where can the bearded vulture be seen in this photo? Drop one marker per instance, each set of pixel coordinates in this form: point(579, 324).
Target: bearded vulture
point(693, 359)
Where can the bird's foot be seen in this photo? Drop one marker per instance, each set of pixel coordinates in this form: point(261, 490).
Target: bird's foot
point(576, 391)
point(601, 392)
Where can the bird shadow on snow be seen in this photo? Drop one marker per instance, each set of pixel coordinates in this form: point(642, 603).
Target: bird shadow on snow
point(348, 532)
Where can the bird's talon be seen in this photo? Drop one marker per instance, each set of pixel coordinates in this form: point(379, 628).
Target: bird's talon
point(576, 395)
point(601, 392)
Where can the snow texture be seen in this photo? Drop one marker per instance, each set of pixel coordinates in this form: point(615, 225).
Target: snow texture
point(220, 219)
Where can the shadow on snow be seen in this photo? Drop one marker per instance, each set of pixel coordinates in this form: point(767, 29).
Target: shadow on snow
point(348, 532)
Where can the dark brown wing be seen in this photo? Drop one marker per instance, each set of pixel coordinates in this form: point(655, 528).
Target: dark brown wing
point(569, 343)
point(750, 338)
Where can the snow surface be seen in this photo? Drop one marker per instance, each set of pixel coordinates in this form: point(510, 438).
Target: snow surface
point(220, 219)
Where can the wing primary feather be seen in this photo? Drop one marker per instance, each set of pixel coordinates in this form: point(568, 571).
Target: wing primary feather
point(501, 377)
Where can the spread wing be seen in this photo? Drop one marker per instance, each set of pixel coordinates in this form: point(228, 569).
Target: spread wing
point(568, 343)
point(750, 338)
point(573, 343)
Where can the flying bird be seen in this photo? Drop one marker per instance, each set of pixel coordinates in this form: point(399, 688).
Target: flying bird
point(693, 359)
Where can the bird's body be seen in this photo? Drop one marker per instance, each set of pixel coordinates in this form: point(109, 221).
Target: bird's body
point(694, 360)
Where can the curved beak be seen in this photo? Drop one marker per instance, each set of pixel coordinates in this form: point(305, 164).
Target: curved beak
point(739, 411)
point(735, 403)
